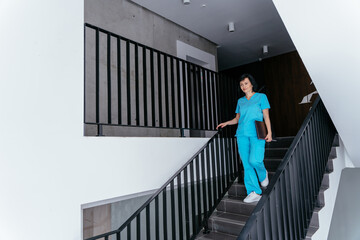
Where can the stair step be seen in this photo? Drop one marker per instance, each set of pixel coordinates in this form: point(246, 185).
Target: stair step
point(332, 154)
point(282, 142)
point(311, 231)
point(271, 164)
point(336, 142)
point(320, 201)
point(325, 181)
point(275, 152)
point(329, 166)
point(314, 222)
point(228, 223)
point(215, 236)
point(239, 190)
point(231, 204)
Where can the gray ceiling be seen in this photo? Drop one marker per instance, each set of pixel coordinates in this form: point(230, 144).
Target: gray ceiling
point(257, 23)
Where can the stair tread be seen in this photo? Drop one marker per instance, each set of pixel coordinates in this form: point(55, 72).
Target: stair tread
point(237, 199)
point(311, 231)
point(215, 236)
point(229, 217)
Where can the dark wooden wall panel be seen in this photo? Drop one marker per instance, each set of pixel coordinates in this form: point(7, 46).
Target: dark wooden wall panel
point(287, 82)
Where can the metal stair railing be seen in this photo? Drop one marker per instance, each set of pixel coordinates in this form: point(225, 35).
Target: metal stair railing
point(286, 207)
point(181, 207)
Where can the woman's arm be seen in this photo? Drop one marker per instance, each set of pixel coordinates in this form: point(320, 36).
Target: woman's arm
point(230, 122)
point(268, 137)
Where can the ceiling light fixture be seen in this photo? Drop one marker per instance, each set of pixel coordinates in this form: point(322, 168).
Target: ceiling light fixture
point(265, 49)
point(231, 27)
point(186, 2)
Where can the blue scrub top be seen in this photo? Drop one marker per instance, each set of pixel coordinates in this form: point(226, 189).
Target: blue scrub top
point(250, 110)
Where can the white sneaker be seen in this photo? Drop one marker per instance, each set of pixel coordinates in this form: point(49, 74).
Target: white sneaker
point(252, 197)
point(266, 181)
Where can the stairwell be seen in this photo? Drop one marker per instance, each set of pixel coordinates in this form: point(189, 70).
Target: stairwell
point(232, 213)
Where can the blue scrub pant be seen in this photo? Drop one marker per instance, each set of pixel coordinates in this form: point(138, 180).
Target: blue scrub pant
point(252, 150)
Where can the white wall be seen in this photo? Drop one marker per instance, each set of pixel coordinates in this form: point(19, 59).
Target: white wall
point(48, 169)
point(327, 35)
point(326, 212)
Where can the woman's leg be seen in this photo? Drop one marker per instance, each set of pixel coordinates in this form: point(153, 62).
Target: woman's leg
point(256, 159)
point(250, 178)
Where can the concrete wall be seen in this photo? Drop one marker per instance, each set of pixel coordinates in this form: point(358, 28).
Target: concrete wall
point(327, 35)
point(137, 23)
point(48, 168)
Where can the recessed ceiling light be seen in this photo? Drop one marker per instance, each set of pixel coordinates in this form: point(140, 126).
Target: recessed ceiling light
point(186, 2)
point(204, 5)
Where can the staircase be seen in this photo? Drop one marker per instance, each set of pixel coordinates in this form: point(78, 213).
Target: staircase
point(232, 213)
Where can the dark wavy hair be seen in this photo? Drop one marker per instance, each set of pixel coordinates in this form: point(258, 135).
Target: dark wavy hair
point(252, 80)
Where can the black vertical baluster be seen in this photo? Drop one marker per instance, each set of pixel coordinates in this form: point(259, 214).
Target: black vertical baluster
point(190, 97)
point(284, 207)
point(218, 166)
point(172, 92)
point(137, 93)
point(209, 97)
point(118, 236)
point(173, 216)
point(164, 214)
point(152, 88)
point(195, 83)
point(97, 79)
point(306, 168)
point(181, 233)
point(106, 237)
point(222, 164)
point(148, 236)
point(213, 164)
point(311, 154)
point(178, 93)
point(185, 94)
point(267, 218)
point(166, 80)
point(138, 225)
point(205, 96)
point(209, 195)
point(204, 192)
point(109, 76)
point(119, 79)
point(159, 89)
point(290, 204)
point(145, 87)
point(192, 189)
point(186, 199)
point(293, 181)
point(128, 87)
point(129, 231)
point(218, 99)
point(199, 87)
point(198, 192)
point(157, 221)
point(273, 214)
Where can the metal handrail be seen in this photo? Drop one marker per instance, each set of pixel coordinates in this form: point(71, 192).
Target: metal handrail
point(257, 225)
point(222, 175)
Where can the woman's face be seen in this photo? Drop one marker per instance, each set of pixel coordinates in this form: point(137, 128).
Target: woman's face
point(246, 86)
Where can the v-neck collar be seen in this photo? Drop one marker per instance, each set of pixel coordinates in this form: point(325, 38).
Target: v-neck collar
point(250, 97)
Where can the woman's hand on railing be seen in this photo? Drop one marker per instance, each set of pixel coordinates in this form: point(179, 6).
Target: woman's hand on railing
point(221, 125)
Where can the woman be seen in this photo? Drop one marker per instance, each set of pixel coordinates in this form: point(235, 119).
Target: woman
point(253, 106)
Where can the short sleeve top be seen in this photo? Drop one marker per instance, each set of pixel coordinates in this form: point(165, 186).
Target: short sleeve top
point(250, 110)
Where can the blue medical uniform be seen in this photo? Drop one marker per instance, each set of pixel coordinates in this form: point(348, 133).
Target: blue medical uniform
point(251, 149)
